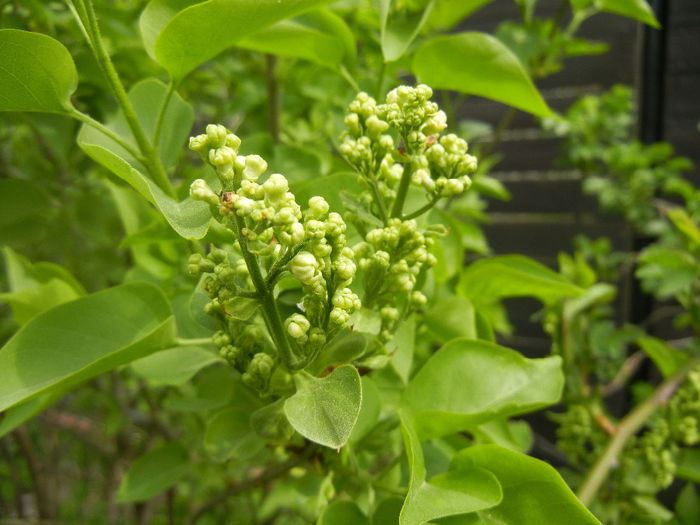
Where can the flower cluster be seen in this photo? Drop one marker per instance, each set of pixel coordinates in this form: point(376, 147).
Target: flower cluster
point(674, 427)
point(440, 165)
point(279, 238)
point(392, 259)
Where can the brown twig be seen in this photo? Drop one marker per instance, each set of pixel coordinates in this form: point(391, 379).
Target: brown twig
point(26, 446)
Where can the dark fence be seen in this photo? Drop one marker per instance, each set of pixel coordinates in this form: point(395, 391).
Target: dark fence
point(548, 208)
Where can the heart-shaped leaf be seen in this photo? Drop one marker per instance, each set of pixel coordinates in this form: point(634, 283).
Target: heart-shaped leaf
point(37, 73)
point(325, 409)
point(478, 64)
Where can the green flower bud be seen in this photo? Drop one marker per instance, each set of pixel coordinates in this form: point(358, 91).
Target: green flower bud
point(200, 190)
point(318, 207)
point(375, 127)
point(346, 299)
point(244, 206)
point(315, 229)
point(255, 166)
point(276, 187)
point(241, 269)
point(259, 372)
point(389, 313)
point(335, 225)
point(435, 124)
point(345, 268)
point(418, 299)
point(339, 317)
point(305, 267)
point(297, 326)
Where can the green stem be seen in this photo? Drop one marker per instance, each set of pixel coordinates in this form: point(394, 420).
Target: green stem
point(420, 211)
point(626, 429)
point(397, 208)
point(87, 119)
point(348, 77)
point(273, 96)
point(267, 301)
point(379, 200)
point(153, 163)
point(280, 263)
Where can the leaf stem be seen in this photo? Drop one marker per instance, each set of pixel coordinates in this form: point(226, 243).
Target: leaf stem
point(626, 429)
point(87, 119)
point(153, 163)
point(378, 199)
point(420, 211)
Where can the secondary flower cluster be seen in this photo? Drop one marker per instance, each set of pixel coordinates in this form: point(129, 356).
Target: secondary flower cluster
point(272, 230)
point(392, 259)
point(440, 165)
point(240, 341)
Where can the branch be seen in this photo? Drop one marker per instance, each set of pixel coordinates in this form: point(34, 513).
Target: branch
point(627, 428)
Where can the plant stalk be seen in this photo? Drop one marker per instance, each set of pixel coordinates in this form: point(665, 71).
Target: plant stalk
point(626, 429)
point(153, 162)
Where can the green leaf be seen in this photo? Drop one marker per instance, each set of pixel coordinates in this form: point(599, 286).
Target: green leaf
point(449, 252)
point(342, 513)
point(447, 13)
point(446, 494)
point(682, 221)
point(35, 288)
point(599, 293)
point(229, 435)
point(478, 64)
point(19, 414)
point(637, 9)
point(270, 421)
point(369, 409)
point(319, 36)
point(469, 382)
point(400, 28)
point(242, 308)
point(489, 280)
point(513, 435)
point(174, 366)
point(344, 348)
point(402, 347)
point(533, 492)
point(666, 358)
point(366, 320)
point(181, 38)
point(37, 73)
point(153, 473)
point(75, 341)
point(688, 505)
point(450, 318)
point(325, 410)
point(189, 218)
